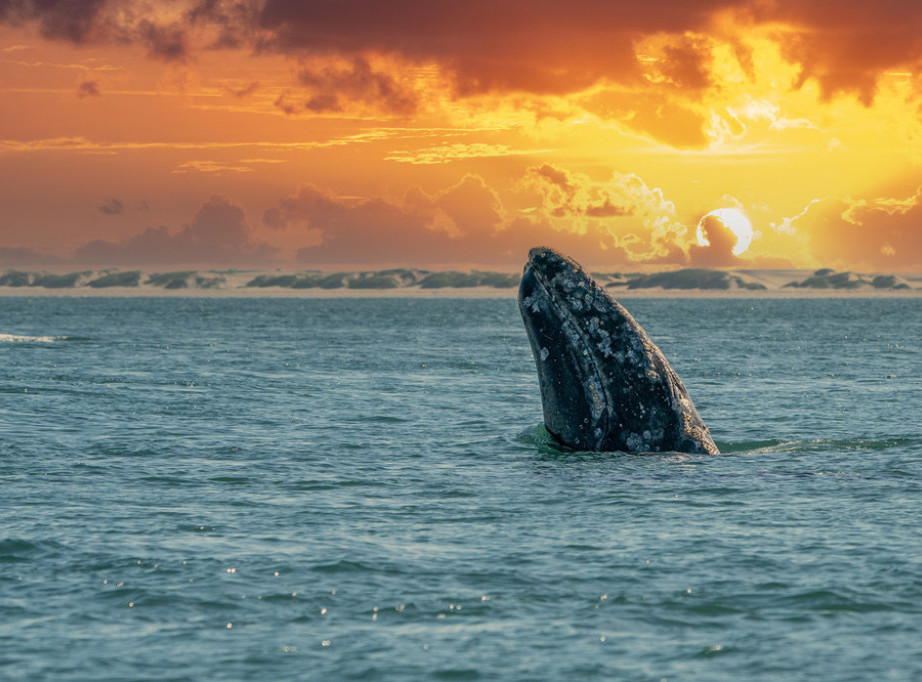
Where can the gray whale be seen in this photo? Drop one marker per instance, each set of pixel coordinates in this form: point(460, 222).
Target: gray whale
point(605, 386)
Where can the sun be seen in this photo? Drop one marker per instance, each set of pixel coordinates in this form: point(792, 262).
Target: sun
point(735, 221)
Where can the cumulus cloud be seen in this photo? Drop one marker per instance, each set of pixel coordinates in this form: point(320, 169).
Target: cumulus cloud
point(464, 223)
point(567, 194)
point(719, 252)
point(218, 234)
point(469, 223)
point(615, 207)
point(880, 233)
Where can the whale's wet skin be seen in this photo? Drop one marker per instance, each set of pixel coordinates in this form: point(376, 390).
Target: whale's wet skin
point(605, 386)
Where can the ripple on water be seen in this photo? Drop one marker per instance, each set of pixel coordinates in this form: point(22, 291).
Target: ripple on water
point(364, 490)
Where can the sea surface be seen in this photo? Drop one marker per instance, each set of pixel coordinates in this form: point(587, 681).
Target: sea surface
point(362, 489)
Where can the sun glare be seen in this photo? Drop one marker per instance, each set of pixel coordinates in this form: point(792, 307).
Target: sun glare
point(735, 221)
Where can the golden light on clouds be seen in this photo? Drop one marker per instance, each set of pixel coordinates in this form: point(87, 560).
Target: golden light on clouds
point(732, 219)
point(274, 131)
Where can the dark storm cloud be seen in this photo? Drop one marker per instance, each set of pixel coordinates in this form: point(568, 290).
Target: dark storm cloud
point(538, 46)
point(846, 45)
point(72, 20)
point(98, 21)
point(550, 46)
point(511, 45)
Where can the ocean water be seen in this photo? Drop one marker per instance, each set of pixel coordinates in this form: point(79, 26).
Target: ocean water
point(361, 489)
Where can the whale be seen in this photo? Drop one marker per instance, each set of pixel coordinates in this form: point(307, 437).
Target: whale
point(605, 386)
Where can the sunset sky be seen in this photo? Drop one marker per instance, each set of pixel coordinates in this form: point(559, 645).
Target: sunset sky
point(458, 133)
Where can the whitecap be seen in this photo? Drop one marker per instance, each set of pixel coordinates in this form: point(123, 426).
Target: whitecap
point(16, 338)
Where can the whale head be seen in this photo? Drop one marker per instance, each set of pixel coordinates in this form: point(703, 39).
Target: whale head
point(605, 386)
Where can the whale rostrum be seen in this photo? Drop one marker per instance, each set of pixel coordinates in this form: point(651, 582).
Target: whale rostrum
point(605, 386)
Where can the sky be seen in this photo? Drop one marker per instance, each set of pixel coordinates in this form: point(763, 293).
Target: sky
point(359, 133)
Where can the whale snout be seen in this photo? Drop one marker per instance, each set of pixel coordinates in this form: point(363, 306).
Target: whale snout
point(604, 384)
point(549, 264)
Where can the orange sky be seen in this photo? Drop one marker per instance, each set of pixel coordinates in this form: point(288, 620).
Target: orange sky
point(307, 133)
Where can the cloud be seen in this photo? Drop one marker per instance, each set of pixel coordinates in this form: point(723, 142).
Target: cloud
point(864, 209)
point(246, 91)
point(685, 64)
point(469, 209)
point(100, 22)
point(213, 167)
point(488, 46)
point(719, 252)
point(656, 112)
point(880, 233)
point(166, 42)
point(510, 46)
point(88, 89)
point(112, 207)
point(19, 257)
point(846, 47)
point(572, 195)
point(57, 19)
point(333, 88)
point(218, 234)
point(616, 207)
point(83, 144)
point(465, 223)
point(457, 151)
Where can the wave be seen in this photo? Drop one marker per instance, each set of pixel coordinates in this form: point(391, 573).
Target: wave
point(18, 338)
point(538, 437)
point(816, 445)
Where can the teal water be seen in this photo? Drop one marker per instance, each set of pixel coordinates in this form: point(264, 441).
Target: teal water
point(361, 490)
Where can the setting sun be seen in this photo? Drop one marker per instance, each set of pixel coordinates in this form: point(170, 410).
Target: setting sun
point(735, 221)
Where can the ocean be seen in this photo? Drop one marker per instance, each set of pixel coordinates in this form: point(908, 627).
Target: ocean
point(362, 489)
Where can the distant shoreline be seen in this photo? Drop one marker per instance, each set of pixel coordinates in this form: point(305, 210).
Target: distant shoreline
point(418, 283)
point(448, 292)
